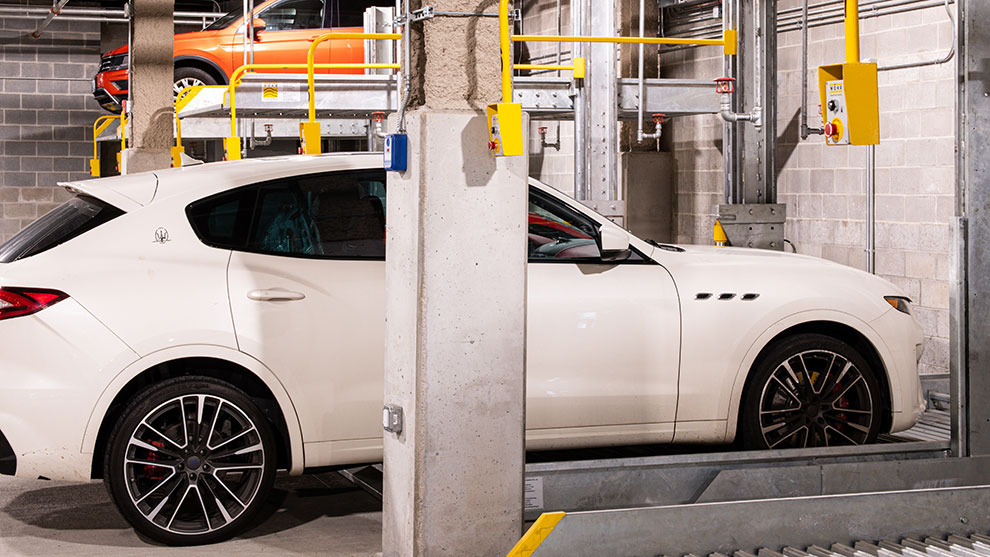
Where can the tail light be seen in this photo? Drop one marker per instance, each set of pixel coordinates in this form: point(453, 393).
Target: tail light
point(15, 302)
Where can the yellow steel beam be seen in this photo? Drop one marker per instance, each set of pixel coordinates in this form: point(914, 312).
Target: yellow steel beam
point(538, 532)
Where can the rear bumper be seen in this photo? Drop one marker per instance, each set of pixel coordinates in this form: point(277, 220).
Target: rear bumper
point(8, 460)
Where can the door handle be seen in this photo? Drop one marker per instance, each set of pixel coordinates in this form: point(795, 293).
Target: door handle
point(275, 295)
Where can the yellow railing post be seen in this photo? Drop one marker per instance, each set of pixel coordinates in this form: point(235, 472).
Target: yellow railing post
point(852, 31)
point(309, 131)
point(505, 43)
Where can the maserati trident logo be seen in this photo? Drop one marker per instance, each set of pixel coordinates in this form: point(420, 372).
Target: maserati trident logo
point(161, 235)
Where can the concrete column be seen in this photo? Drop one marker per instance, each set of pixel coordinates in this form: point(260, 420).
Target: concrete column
point(150, 129)
point(455, 308)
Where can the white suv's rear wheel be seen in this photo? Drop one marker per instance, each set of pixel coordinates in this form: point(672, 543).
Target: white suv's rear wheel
point(191, 461)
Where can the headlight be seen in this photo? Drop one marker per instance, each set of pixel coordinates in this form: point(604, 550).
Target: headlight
point(899, 303)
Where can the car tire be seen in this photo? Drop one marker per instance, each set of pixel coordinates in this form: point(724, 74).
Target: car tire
point(811, 390)
point(191, 461)
point(190, 77)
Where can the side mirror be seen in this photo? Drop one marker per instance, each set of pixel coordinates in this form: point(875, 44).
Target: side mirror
point(258, 24)
point(614, 244)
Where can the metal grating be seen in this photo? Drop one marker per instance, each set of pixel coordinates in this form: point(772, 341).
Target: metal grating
point(954, 546)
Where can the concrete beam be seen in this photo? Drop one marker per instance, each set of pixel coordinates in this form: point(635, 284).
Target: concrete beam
point(455, 307)
point(150, 128)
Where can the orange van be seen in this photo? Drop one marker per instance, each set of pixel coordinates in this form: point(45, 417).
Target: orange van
point(284, 30)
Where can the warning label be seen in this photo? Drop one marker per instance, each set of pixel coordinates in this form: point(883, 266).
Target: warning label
point(533, 494)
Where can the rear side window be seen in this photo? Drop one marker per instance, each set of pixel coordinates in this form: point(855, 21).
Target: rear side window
point(69, 220)
point(338, 215)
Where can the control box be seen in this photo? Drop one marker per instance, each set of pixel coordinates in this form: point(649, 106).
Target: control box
point(835, 114)
point(505, 136)
point(396, 152)
point(850, 103)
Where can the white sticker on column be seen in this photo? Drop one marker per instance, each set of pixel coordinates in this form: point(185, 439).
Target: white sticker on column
point(533, 494)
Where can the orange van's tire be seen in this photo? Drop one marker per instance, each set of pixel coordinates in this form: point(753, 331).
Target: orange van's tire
point(190, 77)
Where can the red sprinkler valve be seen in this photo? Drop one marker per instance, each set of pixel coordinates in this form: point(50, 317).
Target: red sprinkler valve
point(725, 85)
point(542, 131)
point(659, 119)
point(378, 116)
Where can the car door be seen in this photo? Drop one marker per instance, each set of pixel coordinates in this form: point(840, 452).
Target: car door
point(306, 286)
point(290, 27)
point(603, 338)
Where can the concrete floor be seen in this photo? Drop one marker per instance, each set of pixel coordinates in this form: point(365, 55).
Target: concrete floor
point(321, 514)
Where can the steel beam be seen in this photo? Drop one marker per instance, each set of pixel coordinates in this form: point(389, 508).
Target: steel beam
point(971, 274)
point(754, 168)
point(774, 524)
point(602, 89)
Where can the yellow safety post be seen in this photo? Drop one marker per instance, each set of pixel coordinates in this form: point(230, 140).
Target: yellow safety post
point(536, 534)
point(852, 31)
point(101, 124)
point(505, 137)
point(122, 132)
point(719, 235)
point(309, 131)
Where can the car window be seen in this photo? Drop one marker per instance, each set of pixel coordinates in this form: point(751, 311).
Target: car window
point(293, 14)
point(67, 221)
point(330, 215)
point(558, 233)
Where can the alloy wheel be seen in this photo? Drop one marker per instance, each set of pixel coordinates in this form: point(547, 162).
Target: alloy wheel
point(184, 82)
point(194, 464)
point(816, 398)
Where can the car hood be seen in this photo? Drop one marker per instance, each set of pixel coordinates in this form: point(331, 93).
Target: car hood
point(190, 36)
point(725, 270)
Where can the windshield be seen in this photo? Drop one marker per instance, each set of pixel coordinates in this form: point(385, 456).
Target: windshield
point(67, 221)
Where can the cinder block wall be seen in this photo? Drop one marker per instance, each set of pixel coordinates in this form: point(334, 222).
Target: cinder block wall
point(47, 113)
point(824, 187)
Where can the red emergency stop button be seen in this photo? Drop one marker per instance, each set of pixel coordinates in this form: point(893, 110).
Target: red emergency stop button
point(833, 129)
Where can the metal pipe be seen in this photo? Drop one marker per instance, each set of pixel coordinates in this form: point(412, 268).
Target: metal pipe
point(826, 16)
point(852, 31)
point(728, 129)
point(54, 11)
point(805, 130)
point(406, 66)
point(942, 60)
point(640, 134)
point(581, 187)
point(871, 171)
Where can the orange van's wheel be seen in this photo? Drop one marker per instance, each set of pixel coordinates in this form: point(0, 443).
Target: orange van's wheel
point(190, 77)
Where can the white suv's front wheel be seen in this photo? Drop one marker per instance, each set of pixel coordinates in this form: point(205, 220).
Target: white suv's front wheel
point(191, 461)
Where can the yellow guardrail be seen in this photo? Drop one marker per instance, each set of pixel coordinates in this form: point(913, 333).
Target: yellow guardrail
point(727, 42)
point(232, 144)
point(309, 131)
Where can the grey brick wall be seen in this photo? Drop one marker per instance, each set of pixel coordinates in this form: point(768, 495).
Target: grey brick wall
point(824, 187)
point(46, 114)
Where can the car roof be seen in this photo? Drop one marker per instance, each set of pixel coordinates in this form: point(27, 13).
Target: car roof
point(133, 191)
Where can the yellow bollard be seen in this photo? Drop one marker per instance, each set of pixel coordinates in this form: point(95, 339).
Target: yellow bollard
point(721, 239)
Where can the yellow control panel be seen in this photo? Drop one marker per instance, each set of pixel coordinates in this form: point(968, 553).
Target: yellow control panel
point(505, 134)
point(850, 103)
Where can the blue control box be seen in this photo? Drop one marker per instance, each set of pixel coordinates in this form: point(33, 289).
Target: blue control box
point(396, 152)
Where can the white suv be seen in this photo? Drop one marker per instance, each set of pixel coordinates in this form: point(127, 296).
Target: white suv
point(184, 333)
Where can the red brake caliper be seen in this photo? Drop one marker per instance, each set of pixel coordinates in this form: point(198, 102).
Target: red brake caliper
point(841, 403)
point(154, 473)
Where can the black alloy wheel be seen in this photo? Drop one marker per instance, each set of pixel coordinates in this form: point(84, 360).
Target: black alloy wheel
point(191, 461)
point(811, 390)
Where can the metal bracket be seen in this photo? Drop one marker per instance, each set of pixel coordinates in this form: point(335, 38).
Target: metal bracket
point(427, 12)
